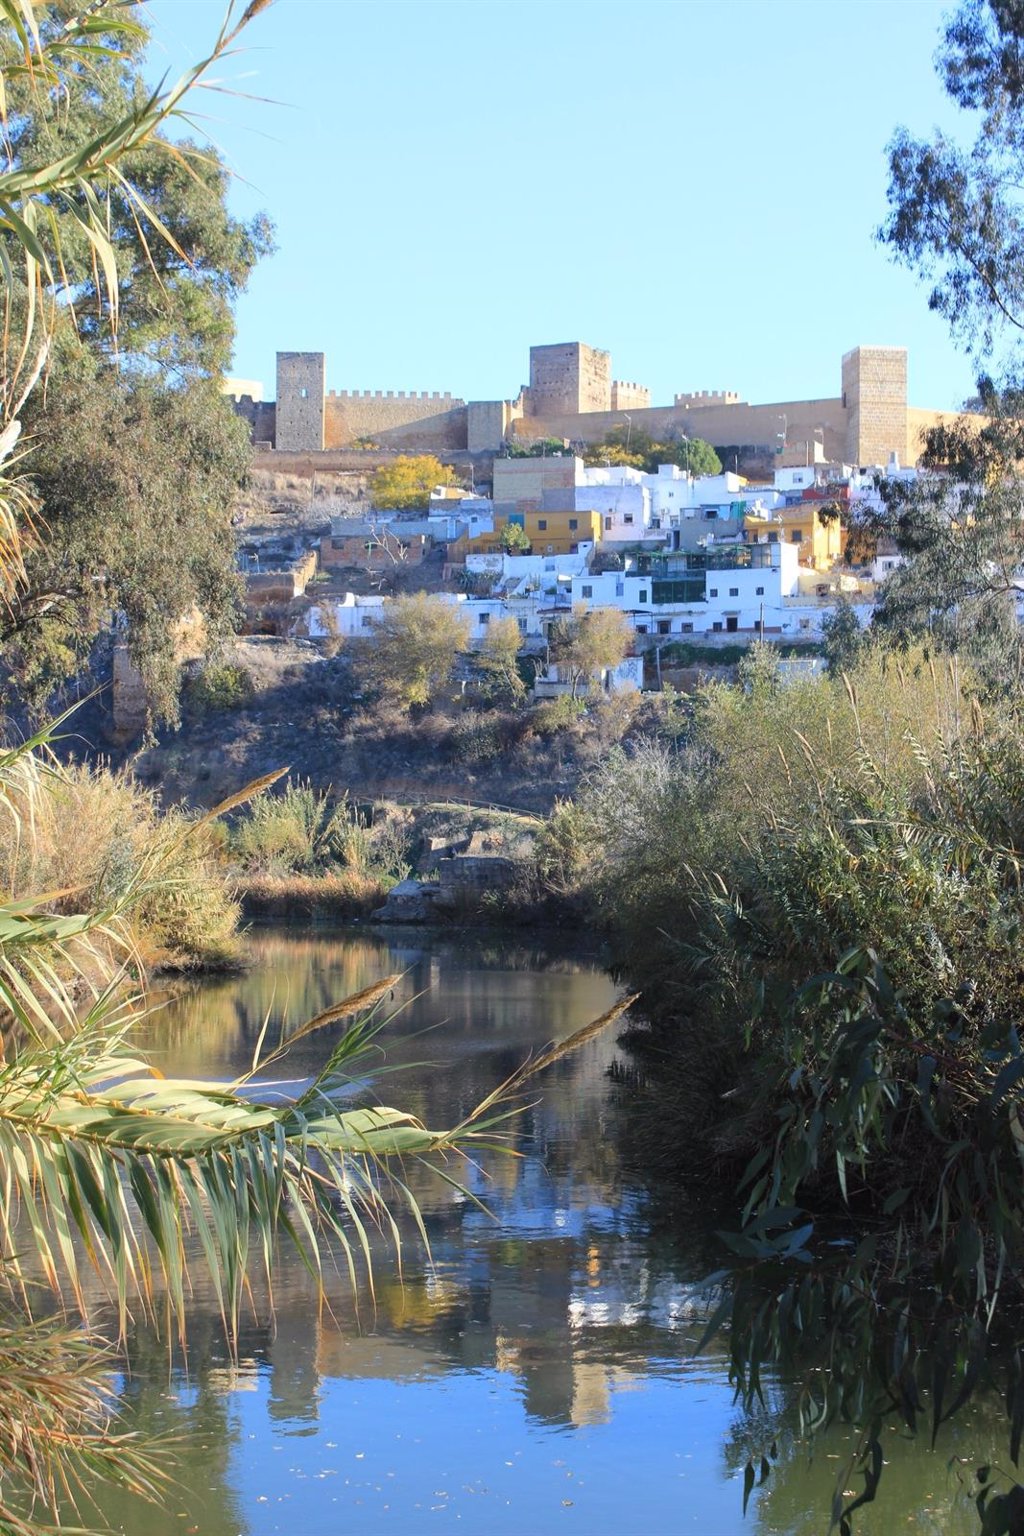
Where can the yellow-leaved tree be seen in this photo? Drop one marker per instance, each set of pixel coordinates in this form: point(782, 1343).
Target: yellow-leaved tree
point(406, 484)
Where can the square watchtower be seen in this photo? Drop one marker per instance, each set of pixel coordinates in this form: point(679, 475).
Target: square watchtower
point(300, 402)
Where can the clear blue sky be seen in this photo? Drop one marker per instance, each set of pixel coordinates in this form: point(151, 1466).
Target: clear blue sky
point(694, 186)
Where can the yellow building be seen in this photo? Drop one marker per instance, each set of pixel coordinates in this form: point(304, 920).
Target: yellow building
point(821, 544)
point(549, 532)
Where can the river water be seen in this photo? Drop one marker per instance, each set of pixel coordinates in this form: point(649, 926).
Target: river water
point(538, 1374)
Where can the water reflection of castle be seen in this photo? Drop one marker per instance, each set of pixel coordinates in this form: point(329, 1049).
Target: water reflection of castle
point(568, 1317)
point(558, 1292)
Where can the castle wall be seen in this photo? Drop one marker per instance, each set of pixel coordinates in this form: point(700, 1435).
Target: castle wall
point(373, 414)
point(300, 402)
point(920, 421)
point(704, 397)
point(487, 421)
point(260, 415)
point(875, 393)
point(629, 397)
point(718, 424)
point(571, 395)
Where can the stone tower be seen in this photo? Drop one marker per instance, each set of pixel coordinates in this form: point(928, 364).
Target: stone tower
point(300, 402)
point(875, 397)
point(569, 378)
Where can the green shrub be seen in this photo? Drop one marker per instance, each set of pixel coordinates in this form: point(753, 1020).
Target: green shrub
point(295, 831)
point(302, 832)
point(563, 713)
point(218, 687)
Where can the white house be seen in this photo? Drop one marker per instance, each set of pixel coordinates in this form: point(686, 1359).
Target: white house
point(725, 589)
point(353, 617)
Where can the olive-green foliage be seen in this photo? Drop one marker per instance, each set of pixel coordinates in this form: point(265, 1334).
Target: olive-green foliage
point(636, 448)
point(824, 890)
point(563, 713)
point(498, 660)
point(514, 539)
point(216, 687)
point(759, 755)
point(587, 642)
point(136, 481)
point(415, 645)
point(295, 831)
point(302, 831)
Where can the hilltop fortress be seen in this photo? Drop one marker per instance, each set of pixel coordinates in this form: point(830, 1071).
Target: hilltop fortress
point(572, 395)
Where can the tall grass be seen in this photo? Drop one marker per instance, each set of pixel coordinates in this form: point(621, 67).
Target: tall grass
point(823, 894)
point(303, 848)
point(93, 836)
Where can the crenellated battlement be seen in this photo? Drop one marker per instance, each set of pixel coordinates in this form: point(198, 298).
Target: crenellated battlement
point(390, 394)
point(708, 397)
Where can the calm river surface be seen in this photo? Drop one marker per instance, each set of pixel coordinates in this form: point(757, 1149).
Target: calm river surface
point(539, 1376)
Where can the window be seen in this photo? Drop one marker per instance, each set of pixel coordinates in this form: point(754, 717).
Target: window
point(759, 591)
point(485, 619)
point(586, 591)
point(643, 597)
point(664, 626)
point(773, 536)
point(574, 522)
point(712, 592)
point(607, 525)
point(717, 626)
point(627, 517)
point(686, 629)
point(797, 536)
point(732, 623)
point(542, 524)
point(734, 591)
point(641, 629)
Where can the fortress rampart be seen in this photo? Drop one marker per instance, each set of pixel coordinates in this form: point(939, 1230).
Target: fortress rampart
point(572, 395)
point(703, 397)
point(627, 396)
point(394, 418)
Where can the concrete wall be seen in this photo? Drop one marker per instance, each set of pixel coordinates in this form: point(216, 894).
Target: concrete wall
point(300, 402)
point(875, 395)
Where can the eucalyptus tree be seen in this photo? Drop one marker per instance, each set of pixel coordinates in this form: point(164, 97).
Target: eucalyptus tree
point(104, 1163)
point(138, 454)
point(956, 218)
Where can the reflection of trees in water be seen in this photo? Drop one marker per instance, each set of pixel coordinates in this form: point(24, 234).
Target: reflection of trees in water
point(193, 1415)
point(924, 1491)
